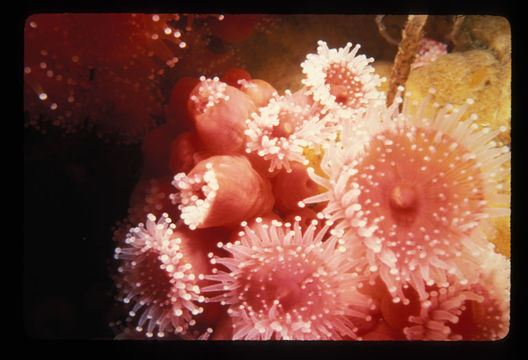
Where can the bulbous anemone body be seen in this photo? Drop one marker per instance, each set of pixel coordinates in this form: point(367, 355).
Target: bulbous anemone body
point(288, 284)
point(220, 112)
point(222, 191)
point(412, 192)
point(291, 187)
point(258, 90)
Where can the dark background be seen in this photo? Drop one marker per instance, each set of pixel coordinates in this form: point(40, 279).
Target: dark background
point(76, 188)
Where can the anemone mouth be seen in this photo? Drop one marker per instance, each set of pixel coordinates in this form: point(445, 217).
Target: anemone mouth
point(151, 267)
point(404, 204)
point(341, 99)
point(283, 129)
point(197, 194)
point(345, 86)
point(288, 292)
point(287, 284)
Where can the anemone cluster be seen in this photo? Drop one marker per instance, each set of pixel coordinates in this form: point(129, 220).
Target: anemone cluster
point(322, 214)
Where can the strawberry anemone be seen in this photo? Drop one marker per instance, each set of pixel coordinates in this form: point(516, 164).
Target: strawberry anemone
point(286, 283)
point(410, 191)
